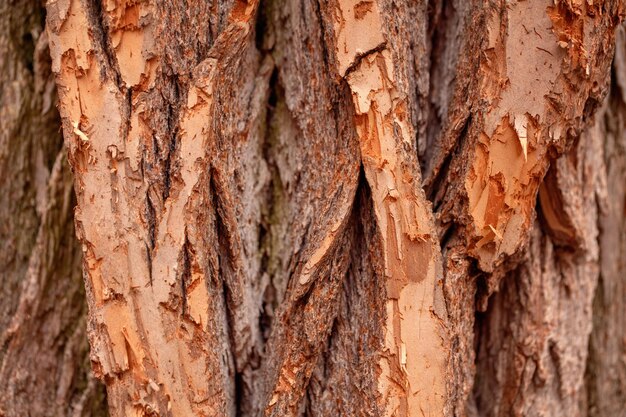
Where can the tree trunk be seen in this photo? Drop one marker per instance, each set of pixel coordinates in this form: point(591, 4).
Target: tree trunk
point(44, 366)
point(305, 208)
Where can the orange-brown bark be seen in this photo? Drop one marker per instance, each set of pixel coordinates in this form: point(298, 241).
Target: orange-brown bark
point(44, 367)
point(258, 237)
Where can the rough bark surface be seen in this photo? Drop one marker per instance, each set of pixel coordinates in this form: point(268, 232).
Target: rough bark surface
point(542, 71)
point(44, 366)
point(385, 207)
point(605, 375)
point(544, 346)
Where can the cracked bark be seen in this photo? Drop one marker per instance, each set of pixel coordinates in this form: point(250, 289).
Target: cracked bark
point(307, 208)
point(44, 366)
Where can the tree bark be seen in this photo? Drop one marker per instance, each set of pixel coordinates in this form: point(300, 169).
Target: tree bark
point(306, 208)
point(44, 367)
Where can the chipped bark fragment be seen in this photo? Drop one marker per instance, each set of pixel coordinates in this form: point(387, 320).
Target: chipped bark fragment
point(527, 82)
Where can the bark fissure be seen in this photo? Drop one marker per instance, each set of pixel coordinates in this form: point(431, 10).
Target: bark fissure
point(272, 210)
point(97, 20)
point(185, 274)
point(438, 185)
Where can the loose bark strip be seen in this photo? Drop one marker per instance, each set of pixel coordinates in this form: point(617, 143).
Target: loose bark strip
point(544, 64)
point(412, 378)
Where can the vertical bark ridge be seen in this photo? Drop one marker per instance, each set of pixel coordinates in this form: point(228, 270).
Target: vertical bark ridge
point(147, 112)
point(314, 159)
point(346, 378)
point(415, 352)
point(44, 368)
point(606, 370)
point(345, 381)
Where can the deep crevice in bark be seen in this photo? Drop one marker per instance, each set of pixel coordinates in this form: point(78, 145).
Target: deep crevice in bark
point(100, 30)
point(151, 221)
point(271, 210)
point(320, 20)
point(437, 187)
point(172, 117)
point(185, 275)
point(436, 38)
point(149, 260)
point(227, 277)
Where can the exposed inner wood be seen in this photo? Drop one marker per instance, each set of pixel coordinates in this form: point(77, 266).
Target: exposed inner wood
point(416, 348)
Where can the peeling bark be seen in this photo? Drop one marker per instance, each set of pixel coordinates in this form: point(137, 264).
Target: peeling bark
point(416, 348)
point(542, 72)
point(540, 337)
point(328, 208)
point(44, 370)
